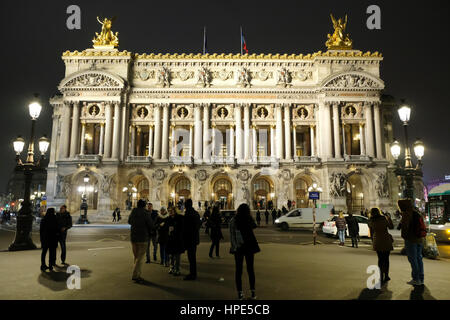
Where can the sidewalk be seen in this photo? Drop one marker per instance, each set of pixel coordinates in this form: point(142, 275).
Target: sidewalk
point(283, 272)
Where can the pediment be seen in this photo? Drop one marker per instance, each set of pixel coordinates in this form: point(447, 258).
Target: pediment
point(94, 79)
point(353, 81)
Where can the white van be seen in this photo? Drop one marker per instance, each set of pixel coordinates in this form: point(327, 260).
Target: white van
point(303, 218)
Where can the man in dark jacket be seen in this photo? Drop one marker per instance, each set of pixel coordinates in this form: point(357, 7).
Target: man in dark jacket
point(266, 214)
point(191, 238)
point(353, 229)
point(141, 227)
point(153, 234)
point(64, 223)
point(49, 238)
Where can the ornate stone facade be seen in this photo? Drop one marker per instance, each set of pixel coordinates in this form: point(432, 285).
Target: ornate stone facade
point(234, 128)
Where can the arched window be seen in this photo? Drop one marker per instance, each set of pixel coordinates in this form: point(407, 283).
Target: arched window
point(222, 184)
point(182, 184)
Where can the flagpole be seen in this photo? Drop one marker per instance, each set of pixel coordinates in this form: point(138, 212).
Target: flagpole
point(241, 40)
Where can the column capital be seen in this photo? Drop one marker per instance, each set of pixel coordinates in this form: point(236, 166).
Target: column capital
point(367, 104)
point(232, 125)
point(102, 124)
point(312, 125)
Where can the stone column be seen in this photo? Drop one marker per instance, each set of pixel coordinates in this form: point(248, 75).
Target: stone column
point(150, 140)
point(206, 151)
point(337, 140)
point(65, 132)
point(138, 143)
point(378, 139)
point(124, 133)
point(75, 131)
point(173, 143)
point(272, 142)
point(255, 143)
point(157, 148)
point(287, 132)
point(102, 138)
point(53, 143)
point(279, 134)
point(116, 132)
point(191, 138)
point(326, 130)
point(313, 141)
point(133, 140)
point(83, 132)
point(344, 144)
point(165, 133)
point(213, 140)
point(246, 132)
point(108, 130)
point(294, 134)
point(238, 118)
point(198, 133)
point(369, 130)
point(361, 139)
point(231, 141)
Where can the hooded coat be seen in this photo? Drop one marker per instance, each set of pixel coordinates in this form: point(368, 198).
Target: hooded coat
point(49, 231)
point(381, 238)
point(175, 234)
point(162, 226)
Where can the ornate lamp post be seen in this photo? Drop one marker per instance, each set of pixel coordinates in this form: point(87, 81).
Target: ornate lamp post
point(84, 206)
point(314, 195)
point(129, 190)
point(23, 239)
point(407, 171)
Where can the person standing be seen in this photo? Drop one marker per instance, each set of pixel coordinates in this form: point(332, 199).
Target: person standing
point(216, 231)
point(413, 230)
point(206, 216)
point(191, 238)
point(258, 217)
point(266, 214)
point(274, 216)
point(341, 226)
point(119, 217)
point(381, 240)
point(64, 223)
point(141, 227)
point(243, 245)
point(49, 238)
point(353, 229)
point(162, 227)
point(114, 215)
point(175, 245)
point(153, 235)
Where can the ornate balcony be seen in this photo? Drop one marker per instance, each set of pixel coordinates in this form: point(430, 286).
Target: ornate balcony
point(88, 159)
point(181, 160)
point(306, 159)
point(139, 159)
point(356, 158)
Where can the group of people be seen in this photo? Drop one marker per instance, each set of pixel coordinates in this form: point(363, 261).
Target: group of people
point(413, 231)
point(53, 231)
point(116, 215)
point(274, 213)
point(177, 231)
point(5, 216)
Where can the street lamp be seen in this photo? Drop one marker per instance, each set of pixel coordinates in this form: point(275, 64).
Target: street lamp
point(314, 195)
point(24, 225)
point(407, 171)
point(84, 206)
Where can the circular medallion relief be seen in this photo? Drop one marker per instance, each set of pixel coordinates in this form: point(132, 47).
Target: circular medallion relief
point(142, 112)
point(94, 110)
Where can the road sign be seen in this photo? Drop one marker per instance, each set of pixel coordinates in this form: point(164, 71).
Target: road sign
point(314, 195)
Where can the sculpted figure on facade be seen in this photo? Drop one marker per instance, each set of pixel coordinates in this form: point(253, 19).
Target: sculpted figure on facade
point(338, 183)
point(106, 36)
point(164, 77)
point(339, 39)
point(201, 175)
point(67, 186)
point(382, 185)
point(351, 81)
point(204, 77)
point(284, 78)
point(243, 77)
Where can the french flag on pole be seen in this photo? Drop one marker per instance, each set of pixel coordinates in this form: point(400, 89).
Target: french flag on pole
point(243, 43)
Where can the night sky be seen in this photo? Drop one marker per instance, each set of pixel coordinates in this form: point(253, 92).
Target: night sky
point(413, 40)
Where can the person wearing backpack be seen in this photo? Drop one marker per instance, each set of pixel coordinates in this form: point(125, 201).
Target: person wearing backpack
point(413, 230)
point(244, 245)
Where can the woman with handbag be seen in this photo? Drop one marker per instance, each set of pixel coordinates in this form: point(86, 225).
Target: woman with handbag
point(381, 240)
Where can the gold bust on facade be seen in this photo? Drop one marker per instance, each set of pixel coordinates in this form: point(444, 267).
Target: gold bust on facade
point(339, 40)
point(106, 38)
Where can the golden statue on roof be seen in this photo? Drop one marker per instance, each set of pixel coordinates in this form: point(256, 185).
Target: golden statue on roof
point(339, 40)
point(106, 38)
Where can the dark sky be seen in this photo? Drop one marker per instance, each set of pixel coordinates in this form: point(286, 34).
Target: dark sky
point(413, 40)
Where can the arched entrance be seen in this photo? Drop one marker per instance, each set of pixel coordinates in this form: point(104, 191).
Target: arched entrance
point(137, 188)
point(180, 189)
point(263, 193)
point(355, 194)
point(222, 192)
point(301, 185)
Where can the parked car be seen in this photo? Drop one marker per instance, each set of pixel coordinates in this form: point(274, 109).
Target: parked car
point(329, 226)
point(303, 218)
